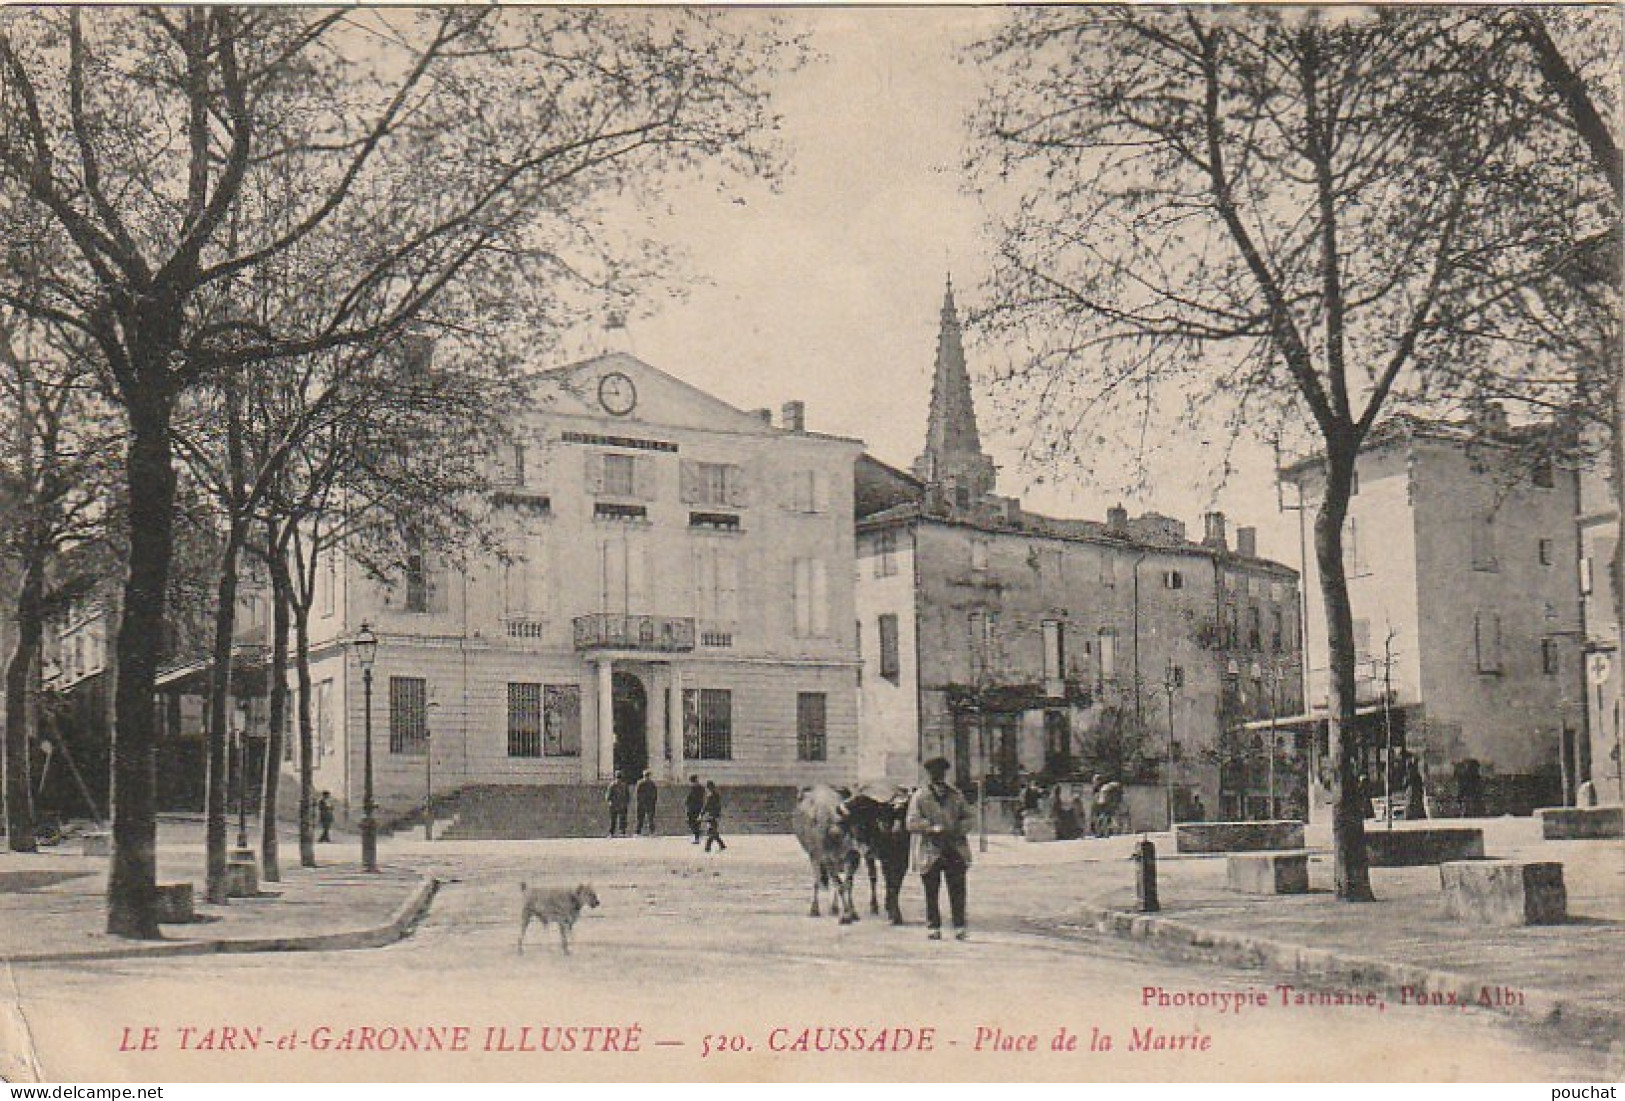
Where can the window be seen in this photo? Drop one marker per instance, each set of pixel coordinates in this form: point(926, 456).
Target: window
point(1232, 626)
point(417, 580)
point(1255, 628)
point(408, 715)
point(609, 511)
point(623, 574)
point(1541, 473)
point(1487, 641)
point(712, 484)
point(1484, 543)
point(1585, 576)
point(1549, 661)
point(328, 582)
point(620, 475)
point(524, 720)
point(1546, 552)
point(524, 581)
point(561, 720)
point(811, 593)
point(707, 724)
point(890, 661)
point(1108, 570)
point(321, 719)
point(984, 629)
point(1054, 653)
point(716, 584)
point(1353, 564)
point(1277, 630)
point(811, 743)
point(1176, 675)
point(1108, 656)
point(810, 491)
point(1362, 640)
point(978, 554)
point(716, 521)
point(886, 554)
point(1173, 579)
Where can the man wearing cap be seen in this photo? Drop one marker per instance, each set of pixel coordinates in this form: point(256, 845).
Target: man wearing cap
point(941, 820)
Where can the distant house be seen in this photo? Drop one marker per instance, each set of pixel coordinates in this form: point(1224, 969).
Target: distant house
point(1463, 567)
point(1016, 644)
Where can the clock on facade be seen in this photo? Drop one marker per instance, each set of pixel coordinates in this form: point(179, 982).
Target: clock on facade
point(617, 394)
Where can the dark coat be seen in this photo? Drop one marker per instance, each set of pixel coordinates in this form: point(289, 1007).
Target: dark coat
point(647, 791)
point(712, 807)
point(694, 801)
point(618, 795)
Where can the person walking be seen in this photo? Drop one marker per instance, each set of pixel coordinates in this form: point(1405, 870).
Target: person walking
point(694, 806)
point(324, 816)
point(618, 796)
point(940, 820)
point(646, 793)
point(711, 813)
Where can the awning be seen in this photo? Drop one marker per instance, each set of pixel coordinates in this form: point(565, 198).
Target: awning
point(248, 674)
point(1320, 715)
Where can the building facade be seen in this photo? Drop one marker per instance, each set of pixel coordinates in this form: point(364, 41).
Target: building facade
point(673, 592)
point(1462, 563)
point(1599, 563)
point(1017, 645)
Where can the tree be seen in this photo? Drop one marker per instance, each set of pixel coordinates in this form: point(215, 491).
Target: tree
point(447, 167)
point(52, 478)
point(1259, 217)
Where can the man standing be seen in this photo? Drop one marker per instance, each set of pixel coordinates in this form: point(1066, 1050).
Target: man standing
point(941, 820)
point(617, 797)
point(693, 804)
point(711, 811)
point(646, 793)
point(324, 816)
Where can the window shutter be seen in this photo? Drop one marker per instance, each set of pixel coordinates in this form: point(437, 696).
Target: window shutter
point(595, 472)
point(820, 491)
point(738, 487)
point(637, 577)
point(727, 586)
point(820, 598)
point(689, 481)
point(643, 478)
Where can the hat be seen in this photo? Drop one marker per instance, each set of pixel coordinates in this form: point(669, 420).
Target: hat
point(938, 766)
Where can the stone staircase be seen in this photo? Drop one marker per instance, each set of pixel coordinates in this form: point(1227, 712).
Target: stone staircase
point(513, 812)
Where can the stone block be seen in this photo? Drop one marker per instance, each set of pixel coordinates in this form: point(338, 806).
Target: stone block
point(1230, 837)
point(1582, 823)
point(96, 844)
point(242, 879)
point(1504, 892)
point(1038, 828)
point(174, 903)
point(1411, 847)
point(1268, 873)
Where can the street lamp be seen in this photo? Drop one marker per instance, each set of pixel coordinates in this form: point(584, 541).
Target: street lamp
point(428, 771)
point(243, 714)
point(1169, 686)
point(366, 650)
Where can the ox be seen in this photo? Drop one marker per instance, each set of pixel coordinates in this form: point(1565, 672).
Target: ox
point(831, 845)
point(878, 816)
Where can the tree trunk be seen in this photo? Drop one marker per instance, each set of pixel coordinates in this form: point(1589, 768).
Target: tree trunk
point(132, 883)
point(272, 868)
point(19, 710)
point(1352, 872)
point(307, 741)
point(215, 797)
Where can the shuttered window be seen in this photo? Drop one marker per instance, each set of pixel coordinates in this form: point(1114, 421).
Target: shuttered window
point(811, 739)
point(408, 715)
point(707, 724)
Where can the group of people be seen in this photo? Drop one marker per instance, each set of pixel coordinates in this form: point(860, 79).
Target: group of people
point(702, 807)
point(1102, 816)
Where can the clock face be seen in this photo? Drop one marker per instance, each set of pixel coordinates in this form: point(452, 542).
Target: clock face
point(617, 394)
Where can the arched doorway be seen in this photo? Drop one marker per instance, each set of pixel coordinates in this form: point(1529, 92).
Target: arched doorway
point(631, 704)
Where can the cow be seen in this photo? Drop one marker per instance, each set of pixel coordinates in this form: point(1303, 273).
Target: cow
point(822, 827)
point(877, 815)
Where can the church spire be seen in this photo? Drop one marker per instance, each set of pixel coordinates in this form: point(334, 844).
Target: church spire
point(953, 455)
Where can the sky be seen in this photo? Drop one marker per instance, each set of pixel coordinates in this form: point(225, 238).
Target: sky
point(829, 290)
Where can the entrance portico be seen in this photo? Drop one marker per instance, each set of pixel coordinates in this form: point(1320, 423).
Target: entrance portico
point(639, 696)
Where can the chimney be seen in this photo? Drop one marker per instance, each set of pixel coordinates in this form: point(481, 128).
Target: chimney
point(1117, 520)
point(1213, 531)
point(793, 416)
point(1012, 510)
point(766, 415)
point(1247, 542)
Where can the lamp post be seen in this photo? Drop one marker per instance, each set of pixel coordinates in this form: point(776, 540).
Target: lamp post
point(1168, 777)
point(366, 650)
point(428, 771)
point(243, 713)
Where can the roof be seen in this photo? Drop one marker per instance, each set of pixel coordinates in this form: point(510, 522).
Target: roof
point(1404, 427)
point(1034, 524)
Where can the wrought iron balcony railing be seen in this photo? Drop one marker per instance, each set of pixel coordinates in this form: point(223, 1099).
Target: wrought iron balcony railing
point(652, 633)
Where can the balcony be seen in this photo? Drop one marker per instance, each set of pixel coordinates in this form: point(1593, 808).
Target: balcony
point(649, 633)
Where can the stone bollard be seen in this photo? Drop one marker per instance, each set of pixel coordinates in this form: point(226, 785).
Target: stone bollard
point(1145, 877)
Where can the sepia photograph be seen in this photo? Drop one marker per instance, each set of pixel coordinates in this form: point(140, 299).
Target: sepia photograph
point(833, 543)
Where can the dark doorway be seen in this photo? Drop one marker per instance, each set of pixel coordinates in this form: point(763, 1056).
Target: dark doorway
point(631, 725)
point(1058, 744)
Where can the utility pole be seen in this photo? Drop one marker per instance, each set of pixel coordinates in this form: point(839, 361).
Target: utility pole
point(1168, 776)
point(1388, 725)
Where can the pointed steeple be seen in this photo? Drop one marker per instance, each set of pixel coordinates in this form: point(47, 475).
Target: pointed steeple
point(953, 455)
